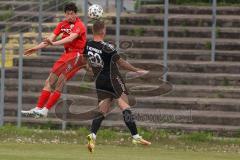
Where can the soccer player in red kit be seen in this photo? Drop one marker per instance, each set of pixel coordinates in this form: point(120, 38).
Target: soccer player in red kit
point(74, 39)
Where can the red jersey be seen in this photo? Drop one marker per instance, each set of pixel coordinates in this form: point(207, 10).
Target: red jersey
point(77, 27)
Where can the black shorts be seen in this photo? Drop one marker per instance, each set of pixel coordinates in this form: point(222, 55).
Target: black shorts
point(111, 88)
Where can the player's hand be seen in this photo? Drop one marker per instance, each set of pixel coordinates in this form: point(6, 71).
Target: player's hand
point(139, 73)
point(28, 52)
point(47, 41)
point(142, 72)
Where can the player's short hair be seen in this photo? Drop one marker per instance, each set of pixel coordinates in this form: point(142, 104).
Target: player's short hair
point(98, 27)
point(70, 7)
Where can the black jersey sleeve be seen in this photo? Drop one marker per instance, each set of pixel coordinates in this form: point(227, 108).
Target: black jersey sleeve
point(113, 52)
point(115, 56)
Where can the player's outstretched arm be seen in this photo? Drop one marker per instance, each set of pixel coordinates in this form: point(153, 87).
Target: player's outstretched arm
point(65, 40)
point(127, 66)
point(39, 46)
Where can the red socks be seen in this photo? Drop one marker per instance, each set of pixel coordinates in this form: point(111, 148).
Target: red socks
point(53, 99)
point(43, 98)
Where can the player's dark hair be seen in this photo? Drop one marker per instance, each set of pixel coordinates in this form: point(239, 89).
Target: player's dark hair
point(98, 27)
point(70, 7)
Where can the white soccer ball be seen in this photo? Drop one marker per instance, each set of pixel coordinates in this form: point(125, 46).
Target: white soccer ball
point(95, 11)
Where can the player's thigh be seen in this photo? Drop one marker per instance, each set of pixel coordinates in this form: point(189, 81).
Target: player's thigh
point(51, 81)
point(74, 62)
point(123, 102)
point(60, 82)
point(72, 72)
point(105, 99)
point(68, 62)
point(52, 78)
point(104, 105)
point(60, 65)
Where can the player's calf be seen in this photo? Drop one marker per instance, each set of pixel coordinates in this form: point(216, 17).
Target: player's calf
point(53, 98)
point(130, 123)
point(96, 123)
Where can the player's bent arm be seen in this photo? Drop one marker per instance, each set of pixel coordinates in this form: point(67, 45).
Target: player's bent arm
point(127, 66)
point(89, 69)
point(40, 45)
point(68, 39)
point(43, 44)
point(52, 37)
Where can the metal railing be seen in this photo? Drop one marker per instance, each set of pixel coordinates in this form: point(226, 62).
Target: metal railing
point(2, 79)
point(165, 39)
point(214, 22)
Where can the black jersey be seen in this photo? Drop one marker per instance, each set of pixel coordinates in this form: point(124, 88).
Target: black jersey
point(102, 57)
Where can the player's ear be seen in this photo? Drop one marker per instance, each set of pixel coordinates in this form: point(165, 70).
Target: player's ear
point(104, 30)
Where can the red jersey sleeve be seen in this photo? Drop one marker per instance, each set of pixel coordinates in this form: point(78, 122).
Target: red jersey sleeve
point(57, 30)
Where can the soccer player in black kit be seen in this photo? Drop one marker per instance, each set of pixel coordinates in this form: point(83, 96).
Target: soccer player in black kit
point(104, 60)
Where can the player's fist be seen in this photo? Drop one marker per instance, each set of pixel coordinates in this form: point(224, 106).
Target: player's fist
point(139, 73)
point(47, 41)
point(30, 51)
point(142, 72)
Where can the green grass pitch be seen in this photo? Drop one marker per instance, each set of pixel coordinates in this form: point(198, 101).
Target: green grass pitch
point(15, 151)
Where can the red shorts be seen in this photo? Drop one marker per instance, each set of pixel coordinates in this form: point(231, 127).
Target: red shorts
point(69, 63)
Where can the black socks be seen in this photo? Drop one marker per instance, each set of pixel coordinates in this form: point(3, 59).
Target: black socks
point(127, 117)
point(129, 121)
point(96, 123)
